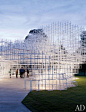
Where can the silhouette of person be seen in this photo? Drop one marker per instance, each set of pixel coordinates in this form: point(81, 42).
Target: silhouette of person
point(21, 72)
point(10, 72)
point(27, 72)
point(17, 73)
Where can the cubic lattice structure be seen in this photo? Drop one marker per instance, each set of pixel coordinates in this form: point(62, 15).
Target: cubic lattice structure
point(52, 53)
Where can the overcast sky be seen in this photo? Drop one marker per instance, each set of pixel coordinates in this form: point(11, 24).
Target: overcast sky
point(18, 17)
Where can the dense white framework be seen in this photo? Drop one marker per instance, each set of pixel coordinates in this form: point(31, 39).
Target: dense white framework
point(52, 54)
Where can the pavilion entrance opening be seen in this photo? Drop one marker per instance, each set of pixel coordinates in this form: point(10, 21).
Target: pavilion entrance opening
point(82, 70)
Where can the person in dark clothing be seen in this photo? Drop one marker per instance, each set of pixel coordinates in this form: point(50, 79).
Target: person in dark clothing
point(21, 72)
point(27, 72)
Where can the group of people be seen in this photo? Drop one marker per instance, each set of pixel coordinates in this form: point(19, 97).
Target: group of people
point(22, 72)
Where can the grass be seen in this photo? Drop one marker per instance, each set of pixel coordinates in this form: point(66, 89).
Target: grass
point(57, 101)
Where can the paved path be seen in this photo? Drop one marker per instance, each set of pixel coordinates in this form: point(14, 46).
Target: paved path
point(12, 92)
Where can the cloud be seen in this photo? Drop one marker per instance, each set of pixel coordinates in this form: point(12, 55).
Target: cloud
point(30, 14)
point(12, 34)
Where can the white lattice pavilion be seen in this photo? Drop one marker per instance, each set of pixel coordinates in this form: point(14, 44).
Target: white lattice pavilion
point(52, 54)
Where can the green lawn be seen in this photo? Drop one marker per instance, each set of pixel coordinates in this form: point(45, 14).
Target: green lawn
point(57, 101)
